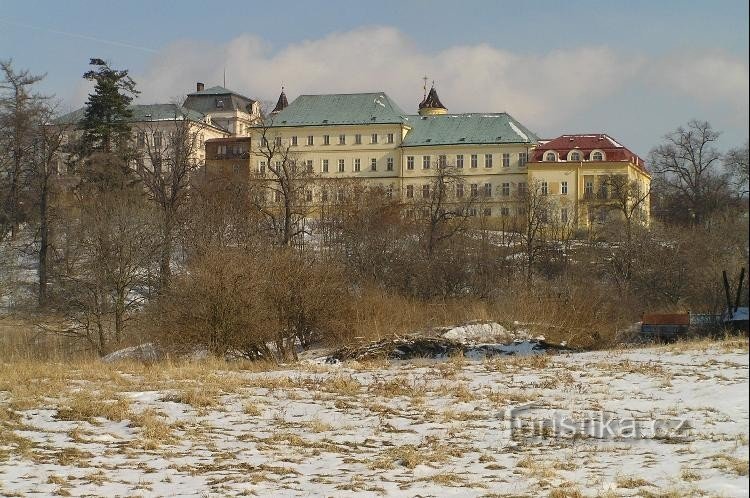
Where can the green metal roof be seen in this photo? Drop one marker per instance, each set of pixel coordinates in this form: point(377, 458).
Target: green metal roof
point(350, 108)
point(470, 128)
point(141, 113)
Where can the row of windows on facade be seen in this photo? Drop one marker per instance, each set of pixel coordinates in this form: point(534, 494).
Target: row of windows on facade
point(294, 140)
point(157, 138)
point(442, 161)
point(325, 165)
point(426, 163)
point(340, 196)
point(574, 155)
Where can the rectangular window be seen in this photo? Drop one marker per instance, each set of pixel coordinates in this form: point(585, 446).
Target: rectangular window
point(341, 165)
point(459, 190)
point(389, 191)
point(277, 196)
point(564, 215)
point(488, 190)
point(460, 161)
point(506, 189)
point(262, 167)
point(326, 140)
point(522, 188)
point(324, 195)
point(141, 139)
point(409, 191)
point(277, 141)
point(426, 191)
point(358, 139)
point(603, 191)
point(157, 139)
point(389, 164)
point(506, 160)
point(373, 164)
point(390, 138)
point(308, 195)
point(374, 138)
point(588, 188)
point(425, 162)
point(294, 141)
point(545, 188)
point(488, 160)
point(487, 212)
point(310, 140)
point(474, 190)
point(340, 195)
point(442, 161)
point(523, 158)
point(474, 161)
point(324, 166)
point(564, 188)
point(357, 165)
point(221, 150)
point(410, 162)
point(504, 211)
point(342, 139)
point(309, 166)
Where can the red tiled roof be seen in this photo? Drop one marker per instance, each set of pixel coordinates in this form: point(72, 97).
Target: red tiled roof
point(586, 143)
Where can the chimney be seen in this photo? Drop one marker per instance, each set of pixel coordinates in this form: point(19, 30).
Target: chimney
point(199, 87)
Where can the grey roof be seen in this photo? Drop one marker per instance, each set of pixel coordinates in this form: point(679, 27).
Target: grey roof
point(141, 113)
point(207, 100)
point(340, 108)
point(219, 90)
point(470, 128)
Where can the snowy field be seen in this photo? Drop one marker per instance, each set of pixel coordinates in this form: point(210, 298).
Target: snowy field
point(667, 421)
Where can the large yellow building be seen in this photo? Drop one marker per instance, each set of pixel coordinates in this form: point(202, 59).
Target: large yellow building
point(367, 137)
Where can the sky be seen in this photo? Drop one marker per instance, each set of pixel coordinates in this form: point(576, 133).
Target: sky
point(634, 69)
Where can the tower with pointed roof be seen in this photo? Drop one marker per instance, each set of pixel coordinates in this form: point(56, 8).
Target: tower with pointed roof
point(282, 103)
point(431, 104)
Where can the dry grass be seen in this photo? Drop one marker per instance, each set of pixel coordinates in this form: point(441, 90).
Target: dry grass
point(86, 406)
point(730, 464)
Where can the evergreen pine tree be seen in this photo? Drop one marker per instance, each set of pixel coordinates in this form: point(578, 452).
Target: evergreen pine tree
point(105, 122)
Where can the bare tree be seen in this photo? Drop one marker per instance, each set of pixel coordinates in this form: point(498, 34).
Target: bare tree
point(688, 163)
point(105, 272)
point(170, 149)
point(44, 189)
point(285, 183)
point(532, 223)
point(443, 207)
point(19, 112)
point(737, 161)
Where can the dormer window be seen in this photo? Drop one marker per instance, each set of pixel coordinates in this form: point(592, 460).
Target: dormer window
point(219, 103)
point(574, 156)
point(597, 155)
point(550, 156)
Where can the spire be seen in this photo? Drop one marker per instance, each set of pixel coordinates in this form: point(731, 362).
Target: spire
point(431, 103)
point(282, 103)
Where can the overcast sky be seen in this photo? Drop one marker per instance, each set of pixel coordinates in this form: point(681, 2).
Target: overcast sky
point(633, 69)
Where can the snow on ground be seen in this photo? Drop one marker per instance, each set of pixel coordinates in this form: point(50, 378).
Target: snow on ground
point(419, 428)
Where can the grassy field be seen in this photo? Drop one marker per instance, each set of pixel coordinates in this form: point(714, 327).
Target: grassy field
point(427, 428)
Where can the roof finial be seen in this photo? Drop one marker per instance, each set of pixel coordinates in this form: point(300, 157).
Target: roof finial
point(424, 87)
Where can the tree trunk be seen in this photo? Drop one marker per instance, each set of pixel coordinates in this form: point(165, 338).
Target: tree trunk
point(43, 242)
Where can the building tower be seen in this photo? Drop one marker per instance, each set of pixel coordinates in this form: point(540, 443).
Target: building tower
point(282, 103)
point(431, 104)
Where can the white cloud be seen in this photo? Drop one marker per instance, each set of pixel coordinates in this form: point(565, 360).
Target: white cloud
point(546, 92)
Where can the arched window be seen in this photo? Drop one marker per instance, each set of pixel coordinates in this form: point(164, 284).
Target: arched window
point(550, 156)
point(597, 156)
point(575, 156)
